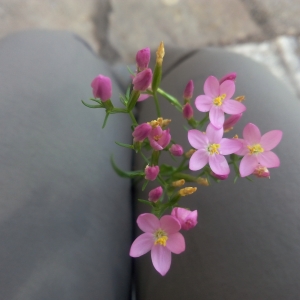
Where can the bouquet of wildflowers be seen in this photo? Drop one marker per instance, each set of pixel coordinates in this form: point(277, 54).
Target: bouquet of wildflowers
point(210, 152)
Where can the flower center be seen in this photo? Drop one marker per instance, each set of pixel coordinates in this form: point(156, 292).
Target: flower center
point(213, 149)
point(218, 101)
point(160, 237)
point(157, 137)
point(255, 149)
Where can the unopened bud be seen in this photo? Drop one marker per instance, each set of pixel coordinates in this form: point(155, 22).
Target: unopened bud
point(188, 91)
point(188, 219)
point(143, 59)
point(231, 121)
point(142, 80)
point(178, 183)
point(155, 194)
point(187, 111)
point(202, 181)
point(187, 191)
point(141, 132)
point(102, 87)
point(229, 76)
point(151, 172)
point(176, 150)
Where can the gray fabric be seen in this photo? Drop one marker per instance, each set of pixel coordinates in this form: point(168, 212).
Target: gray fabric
point(247, 242)
point(65, 229)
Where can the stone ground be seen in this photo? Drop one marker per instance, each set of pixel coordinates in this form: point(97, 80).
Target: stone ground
point(268, 31)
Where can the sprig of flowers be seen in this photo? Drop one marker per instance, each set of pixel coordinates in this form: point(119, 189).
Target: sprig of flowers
point(210, 154)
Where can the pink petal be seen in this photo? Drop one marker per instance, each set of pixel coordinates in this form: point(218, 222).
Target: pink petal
point(251, 134)
point(269, 159)
point(233, 107)
point(227, 87)
point(141, 245)
point(214, 135)
point(143, 97)
point(271, 139)
point(148, 222)
point(244, 149)
point(248, 165)
point(197, 139)
point(203, 103)
point(176, 243)
point(198, 160)
point(154, 144)
point(169, 224)
point(216, 116)
point(161, 259)
point(211, 87)
point(218, 164)
point(229, 146)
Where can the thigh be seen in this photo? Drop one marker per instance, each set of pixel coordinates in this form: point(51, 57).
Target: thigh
point(65, 230)
point(246, 244)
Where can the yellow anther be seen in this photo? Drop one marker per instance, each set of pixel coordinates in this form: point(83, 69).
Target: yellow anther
point(202, 181)
point(178, 183)
point(160, 53)
point(190, 153)
point(160, 237)
point(228, 129)
point(213, 149)
point(255, 149)
point(240, 98)
point(166, 122)
point(235, 137)
point(187, 191)
point(153, 123)
point(218, 101)
point(160, 121)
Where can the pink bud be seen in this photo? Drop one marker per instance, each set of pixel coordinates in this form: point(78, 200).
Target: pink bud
point(155, 194)
point(229, 76)
point(220, 177)
point(142, 80)
point(261, 172)
point(187, 218)
point(102, 87)
point(176, 150)
point(151, 172)
point(187, 111)
point(189, 89)
point(143, 58)
point(231, 121)
point(141, 132)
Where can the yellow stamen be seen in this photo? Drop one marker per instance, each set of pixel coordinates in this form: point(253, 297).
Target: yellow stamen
point(166, 122)
point(178, 183)
point(255, 149)
point(236, 137)
point(213, 149)
point(160, 53)
point(240, 98)
point(218, 101)
point(160, 237)
point(190, 153)
point(202, 181)
point(187, 191)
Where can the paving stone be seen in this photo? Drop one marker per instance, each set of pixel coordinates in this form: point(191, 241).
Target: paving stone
point(136, 24)
point(76, 16)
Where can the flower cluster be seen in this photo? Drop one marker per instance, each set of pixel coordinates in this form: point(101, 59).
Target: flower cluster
point(210, 157)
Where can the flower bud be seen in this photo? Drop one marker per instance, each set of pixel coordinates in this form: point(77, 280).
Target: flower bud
point(187, 111)
point(220, 177)
point(102, 87)
point(155, 194)
point(187, 218)
point(142, 80)
point(141, 132)
point(176, 150)
point(261, 172)
point(143, 59)
point(231, 121)
point(189, 89)
point(151, 172)
point(229, 76)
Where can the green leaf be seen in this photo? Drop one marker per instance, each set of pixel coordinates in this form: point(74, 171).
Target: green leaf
point(146, 202)
point(166, 170)
point(91, 106)
point(130, 174)
point(105, 120)
point(124, 145)
point(145, 184)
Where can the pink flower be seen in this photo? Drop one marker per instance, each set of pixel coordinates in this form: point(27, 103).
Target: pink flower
point(151, 172)
point(220, 177)
point(261, 172)
point(102, 87)
point(161, 237)
point(229, 76)
point(158, 138)
point(187, 111)
point(231, 121)
point(187, 218)
point(143, 58)
point(141, 131)
point(188, 91)
point(256, 149)
point(155, 194)
point(176, 150)
point(211, 149)
point(217, 101)
point(142, 80)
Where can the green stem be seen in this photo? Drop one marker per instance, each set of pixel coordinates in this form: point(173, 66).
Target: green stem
point(133, 118)
point(157, 105)
point(170, 98)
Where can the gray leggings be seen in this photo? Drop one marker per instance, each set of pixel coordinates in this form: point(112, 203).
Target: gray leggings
point(67, 220)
